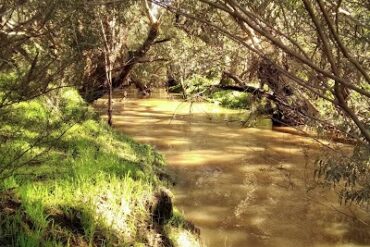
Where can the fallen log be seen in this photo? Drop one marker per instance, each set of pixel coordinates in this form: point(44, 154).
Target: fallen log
point(290, 110)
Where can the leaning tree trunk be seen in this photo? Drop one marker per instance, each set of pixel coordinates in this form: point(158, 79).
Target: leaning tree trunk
point(290, 109)
point(95, 88)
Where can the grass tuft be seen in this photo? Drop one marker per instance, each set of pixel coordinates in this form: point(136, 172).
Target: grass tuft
point(89, 186)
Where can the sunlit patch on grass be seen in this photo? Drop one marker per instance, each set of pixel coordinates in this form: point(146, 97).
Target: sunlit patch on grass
point(90, 189)
point(184, 238)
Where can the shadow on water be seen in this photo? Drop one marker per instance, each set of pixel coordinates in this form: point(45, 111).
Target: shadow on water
point(241, 186)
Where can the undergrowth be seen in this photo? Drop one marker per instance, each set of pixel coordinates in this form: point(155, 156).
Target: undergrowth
point(204, 87)
point(67, 179)
point(231, 99)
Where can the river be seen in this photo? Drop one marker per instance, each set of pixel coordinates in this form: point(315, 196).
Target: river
point(241, 186)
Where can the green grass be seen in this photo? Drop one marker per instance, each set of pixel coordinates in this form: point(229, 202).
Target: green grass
point(198, 84)
point(87, 187)
point(231, 99)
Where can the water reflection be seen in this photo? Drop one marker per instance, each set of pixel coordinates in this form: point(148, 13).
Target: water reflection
point(241, 186)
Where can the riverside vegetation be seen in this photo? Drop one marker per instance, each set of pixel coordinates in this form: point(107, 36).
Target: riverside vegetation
point(92, 186)
point(68, 178)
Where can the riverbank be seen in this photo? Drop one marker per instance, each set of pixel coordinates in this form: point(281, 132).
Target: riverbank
point(84, 184)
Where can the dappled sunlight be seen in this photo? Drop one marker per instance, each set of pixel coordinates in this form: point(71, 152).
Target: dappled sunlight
point(336, 229)
point(201, 157)
point(182, 108)
point(184, 238)
point(211, 218)
point(114, 213)
point(290, 150)
point(241, 186)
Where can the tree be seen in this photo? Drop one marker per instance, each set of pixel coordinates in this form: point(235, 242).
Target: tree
point(34, 61)
point(95, 87)
point(325, 55)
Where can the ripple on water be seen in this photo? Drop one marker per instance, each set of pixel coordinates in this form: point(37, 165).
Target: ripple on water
point(241, 186)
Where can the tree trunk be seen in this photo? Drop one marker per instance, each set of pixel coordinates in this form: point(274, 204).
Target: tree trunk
point(297, 112)
point(110, 107)
point(93, 91)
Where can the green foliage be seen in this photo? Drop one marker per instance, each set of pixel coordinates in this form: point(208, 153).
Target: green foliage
point(30, 130)
point(350, 174)
point(57, 156)
point(231, 99)
point(93, 177)
point(198, 85)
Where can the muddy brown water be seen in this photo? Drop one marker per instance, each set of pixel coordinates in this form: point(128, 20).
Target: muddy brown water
point(241, 186)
